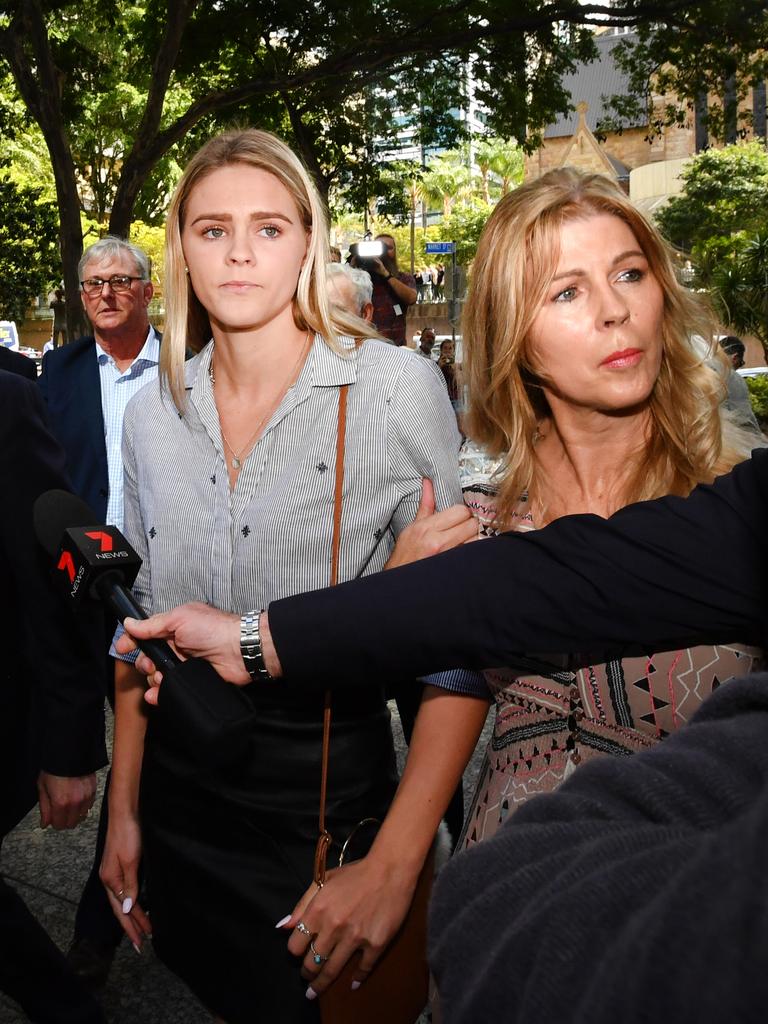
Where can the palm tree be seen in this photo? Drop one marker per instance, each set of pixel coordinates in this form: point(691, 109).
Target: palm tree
point(446, 179)
point(485, 152)
point(504, 160)
point(739, 289)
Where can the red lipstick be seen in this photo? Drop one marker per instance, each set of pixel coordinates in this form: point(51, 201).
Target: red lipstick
point(624, 358)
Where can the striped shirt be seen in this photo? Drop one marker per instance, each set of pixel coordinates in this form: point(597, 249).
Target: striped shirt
point(271, 536)
point(117, 388)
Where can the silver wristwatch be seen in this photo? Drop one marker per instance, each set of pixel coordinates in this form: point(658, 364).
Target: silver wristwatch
point(250, 646)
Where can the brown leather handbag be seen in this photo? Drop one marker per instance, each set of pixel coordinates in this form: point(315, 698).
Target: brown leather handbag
point(396, 991)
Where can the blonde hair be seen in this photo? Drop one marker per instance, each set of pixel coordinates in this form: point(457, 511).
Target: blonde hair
point(690, 440)
point(186, 322)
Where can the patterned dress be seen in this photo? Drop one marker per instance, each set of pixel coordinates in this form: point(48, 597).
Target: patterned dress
point(548, 724)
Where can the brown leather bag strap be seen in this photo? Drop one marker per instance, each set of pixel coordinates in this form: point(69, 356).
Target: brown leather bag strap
point(325, 839)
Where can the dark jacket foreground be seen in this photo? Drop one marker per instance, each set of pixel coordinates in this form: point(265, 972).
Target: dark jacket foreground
point(636, 892)
point(15, 362)
point(51, 701)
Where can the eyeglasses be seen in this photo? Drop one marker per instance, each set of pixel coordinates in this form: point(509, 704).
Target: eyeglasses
point(118, 283)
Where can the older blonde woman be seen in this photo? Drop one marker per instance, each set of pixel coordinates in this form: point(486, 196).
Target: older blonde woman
point(585, 396)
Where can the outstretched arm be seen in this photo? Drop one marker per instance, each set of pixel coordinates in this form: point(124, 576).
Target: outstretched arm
point(658, 575)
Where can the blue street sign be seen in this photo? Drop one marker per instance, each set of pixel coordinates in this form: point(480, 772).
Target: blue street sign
point(440, 247)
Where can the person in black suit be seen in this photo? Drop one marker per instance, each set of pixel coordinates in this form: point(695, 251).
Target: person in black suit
point(15, 362)
point(51, 705)
point(87, 385)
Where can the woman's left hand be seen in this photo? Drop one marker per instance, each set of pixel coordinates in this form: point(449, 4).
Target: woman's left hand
point(360, 908)
point(432, 532)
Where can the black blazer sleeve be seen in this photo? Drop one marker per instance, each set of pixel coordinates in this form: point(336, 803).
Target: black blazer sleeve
point(54, 652)
point(656, 576)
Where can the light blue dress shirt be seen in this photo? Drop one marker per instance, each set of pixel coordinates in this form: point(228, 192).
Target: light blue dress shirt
point(117, 388)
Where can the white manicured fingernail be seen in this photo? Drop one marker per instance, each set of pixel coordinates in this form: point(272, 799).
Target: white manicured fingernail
point(310, 993)
point(356, 985)
point(127, 905)
point(283, 921)
point(137, 947)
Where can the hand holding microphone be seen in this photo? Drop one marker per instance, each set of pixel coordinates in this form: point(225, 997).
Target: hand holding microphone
point(195, 630)
point(198, 711)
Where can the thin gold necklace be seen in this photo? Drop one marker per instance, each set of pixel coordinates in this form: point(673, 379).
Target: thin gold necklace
point(238, 458)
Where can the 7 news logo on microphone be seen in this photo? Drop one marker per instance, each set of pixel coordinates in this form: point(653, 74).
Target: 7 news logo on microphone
point(87, 553)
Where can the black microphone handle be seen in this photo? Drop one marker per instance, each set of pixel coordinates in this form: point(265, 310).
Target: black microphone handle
point(121, 602)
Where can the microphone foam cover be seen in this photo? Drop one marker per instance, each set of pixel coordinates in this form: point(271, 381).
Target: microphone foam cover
point(57, 511)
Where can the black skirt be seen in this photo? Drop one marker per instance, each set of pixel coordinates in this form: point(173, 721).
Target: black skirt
point(228, 852)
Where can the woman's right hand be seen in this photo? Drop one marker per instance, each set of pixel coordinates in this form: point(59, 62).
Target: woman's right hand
point(119, 873)
point(432, 532)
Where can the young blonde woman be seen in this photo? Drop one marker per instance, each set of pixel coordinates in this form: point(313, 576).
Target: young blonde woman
point(585, 396)
point(229, 464)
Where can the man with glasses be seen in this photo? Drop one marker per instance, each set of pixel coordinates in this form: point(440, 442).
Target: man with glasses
point(87, 385)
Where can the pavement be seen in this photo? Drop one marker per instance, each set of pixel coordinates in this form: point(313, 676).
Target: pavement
point(49, 870)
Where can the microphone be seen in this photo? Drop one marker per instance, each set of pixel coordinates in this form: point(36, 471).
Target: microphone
point(202, 718)
point(93, 562)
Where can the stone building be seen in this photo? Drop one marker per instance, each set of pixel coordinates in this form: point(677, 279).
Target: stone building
point(646, 165)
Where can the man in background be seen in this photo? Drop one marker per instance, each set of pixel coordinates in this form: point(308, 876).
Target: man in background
point(426, 342)
point(87, 385)
point(393, 291)
point(59, 328)
point(737, 400)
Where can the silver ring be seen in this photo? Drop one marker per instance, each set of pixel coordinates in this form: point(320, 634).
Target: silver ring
point(317, 957)
point(301, 927)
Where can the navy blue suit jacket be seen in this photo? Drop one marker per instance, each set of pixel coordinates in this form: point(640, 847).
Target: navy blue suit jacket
point(71, 388)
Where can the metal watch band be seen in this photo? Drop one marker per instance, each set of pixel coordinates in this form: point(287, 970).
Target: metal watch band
point(250, 646)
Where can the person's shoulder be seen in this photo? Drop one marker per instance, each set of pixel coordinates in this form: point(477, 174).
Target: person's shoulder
point(14, 387)
point(397, 364)
point(20, 401)
point(155, 399)
point(17, 363)
point(378, 352)
point(406, 278)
